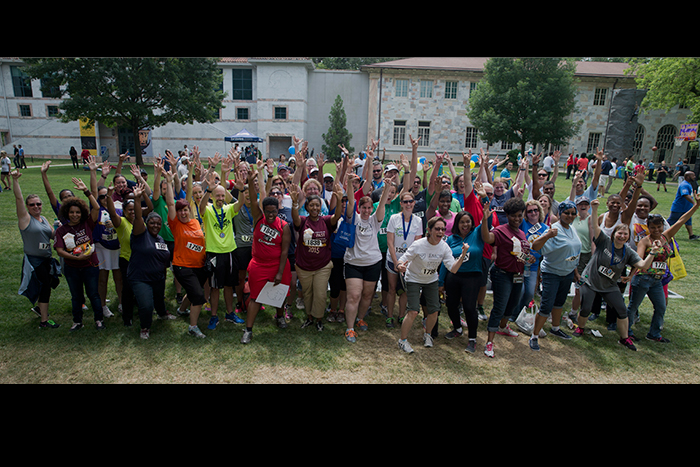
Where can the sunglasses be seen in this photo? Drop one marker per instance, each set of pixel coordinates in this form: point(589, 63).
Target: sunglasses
point(31, 205)
point(529, 211)
point(275, 193)
point(408, 201)
point(439, 229)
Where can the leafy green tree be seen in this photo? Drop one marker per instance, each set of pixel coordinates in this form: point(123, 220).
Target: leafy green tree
point(669, 81)
point(337, 133)
point(348, 63)
point(137, 93)
point(525, 100)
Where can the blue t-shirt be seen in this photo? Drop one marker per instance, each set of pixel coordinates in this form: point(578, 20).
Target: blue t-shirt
point(681, 204)
point(560, 254)
point(472, 260)
point(532, 233)
point(153, 258)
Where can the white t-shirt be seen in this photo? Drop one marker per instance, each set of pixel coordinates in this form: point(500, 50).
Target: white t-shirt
point(397, 225)
point(424, 260)
point(366, 250)
point(5, 162)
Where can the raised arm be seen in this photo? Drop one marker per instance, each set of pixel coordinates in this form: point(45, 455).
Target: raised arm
point(22, 214)
point(486, 235)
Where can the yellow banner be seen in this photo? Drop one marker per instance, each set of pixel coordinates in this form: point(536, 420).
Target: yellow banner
point(88, 138)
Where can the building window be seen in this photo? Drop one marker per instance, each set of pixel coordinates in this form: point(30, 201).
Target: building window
point(399, 132)
point(638, 140)
point(242, 113)
point(471, 141)
point(280, 113)
point(424, 134)
point(600, 94)
point(472, 86)
point(506, 146)
point(52, 110)
point(593, 142)
point(25, 110)
point(21, 83)
point(242, 85)
point(401, 87)
point(426, 88)
point(451, 89)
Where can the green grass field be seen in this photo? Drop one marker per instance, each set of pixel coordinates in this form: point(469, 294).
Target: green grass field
point(294, 355)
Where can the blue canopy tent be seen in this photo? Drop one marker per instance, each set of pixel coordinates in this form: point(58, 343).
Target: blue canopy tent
point(244, 136)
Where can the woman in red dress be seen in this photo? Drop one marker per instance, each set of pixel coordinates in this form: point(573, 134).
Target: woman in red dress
point(271, 237)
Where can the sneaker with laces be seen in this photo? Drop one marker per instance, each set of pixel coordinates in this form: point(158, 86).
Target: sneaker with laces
point(281, 322)
point(362, 325)
point(390, 322)
point(76, 326)
point(213, 322)
point(578, 332)
point(167, 316)
point(300, 303)
point(452, 334)
point(36, 310)
point(145, 333)
point(480, 311)
point(48, 324)
point(247, 337)
point(100, 325)
point(106, 312)
point(319, 326)
point(234, 318)
point(627, 343)
point(507, 331)
point(488, 350)
point(340, 316)
point(471, 346)
point(534, 343)
point(307, 323)
point(405, 346)
point(194, 331)
point(350, 335)
point(660, 339)
point(427, 340)
point(560, 333)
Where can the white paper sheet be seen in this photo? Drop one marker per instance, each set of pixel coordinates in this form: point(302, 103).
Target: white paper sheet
point(273, 295)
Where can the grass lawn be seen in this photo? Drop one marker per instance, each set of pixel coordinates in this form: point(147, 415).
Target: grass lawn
point(294, 355)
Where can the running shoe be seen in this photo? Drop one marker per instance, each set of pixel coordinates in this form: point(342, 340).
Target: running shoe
point(48, 324)
point(234, 318)
point(488, 350)
point(660, 339)
point(427, 340)
point(405, 346)
point(350, 335)
point(471, 346)
point(194, 331)
point(362, 325)
point(507, 331)
point(213, 322)
point(628, 343)
point(534, 343)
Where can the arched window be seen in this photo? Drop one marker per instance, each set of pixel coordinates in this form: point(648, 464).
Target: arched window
point(665, 142)
point(638, 140)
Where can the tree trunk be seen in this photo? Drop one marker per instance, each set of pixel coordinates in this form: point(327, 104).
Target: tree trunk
point(137, 144)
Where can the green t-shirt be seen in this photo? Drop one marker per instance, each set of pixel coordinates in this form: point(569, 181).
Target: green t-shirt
point(161, 208)
point(389, 210)
point(214, 241)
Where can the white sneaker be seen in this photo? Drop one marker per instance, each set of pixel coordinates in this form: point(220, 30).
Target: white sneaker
point(507, 331)
point(488, 350)
point(300, 303)
point(405, 346)
point(427, 340)
point(106, 312)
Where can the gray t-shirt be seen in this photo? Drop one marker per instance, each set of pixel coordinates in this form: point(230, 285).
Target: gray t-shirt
point(36, 238)
point(604, 270)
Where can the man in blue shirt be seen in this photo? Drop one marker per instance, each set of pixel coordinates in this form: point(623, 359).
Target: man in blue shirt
point(684, 202)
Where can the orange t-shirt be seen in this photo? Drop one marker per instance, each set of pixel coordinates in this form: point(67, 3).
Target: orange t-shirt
point(190, 249)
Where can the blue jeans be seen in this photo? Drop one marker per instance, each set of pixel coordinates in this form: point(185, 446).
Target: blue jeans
point(506, 296)
point(645, 284)
point(528, 293)
point(149, 296)
point(555, 289)
point(88, 278)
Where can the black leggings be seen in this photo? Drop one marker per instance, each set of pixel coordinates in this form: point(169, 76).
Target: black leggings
point(614, 300)
point(463, 286)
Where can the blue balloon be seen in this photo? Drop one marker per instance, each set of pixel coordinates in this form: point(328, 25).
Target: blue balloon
point(475, 158)
point(292, 150)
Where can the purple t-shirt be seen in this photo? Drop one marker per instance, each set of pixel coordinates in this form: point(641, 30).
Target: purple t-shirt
point(313, 247)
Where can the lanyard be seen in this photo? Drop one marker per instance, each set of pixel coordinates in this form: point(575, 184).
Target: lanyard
point(247, 213)
point(406, 230)
point(612, 257)
point(220, 218)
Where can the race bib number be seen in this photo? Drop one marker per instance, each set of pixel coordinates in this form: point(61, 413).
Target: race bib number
point(428, 272)
point(658, 265)
point(161, 246)
point(44, 246)
point(195, 247)
point(607, 272)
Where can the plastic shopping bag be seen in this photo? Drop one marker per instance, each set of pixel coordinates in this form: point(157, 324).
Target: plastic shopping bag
point(526, 319)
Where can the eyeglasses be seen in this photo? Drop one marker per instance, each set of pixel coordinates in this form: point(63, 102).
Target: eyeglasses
point(529, 211)
point(31, 205)
point(408, 201)
point(542, 175)
point(439, 229)
point(377, 171)
point(275, 193)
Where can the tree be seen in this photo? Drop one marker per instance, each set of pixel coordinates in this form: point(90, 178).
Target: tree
point(337, 133)
point(669, 81)
point(348, 63)
point(137, 93)
point(525, 100)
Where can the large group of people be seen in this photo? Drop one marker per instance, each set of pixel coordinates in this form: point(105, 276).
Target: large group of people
point(243, 227)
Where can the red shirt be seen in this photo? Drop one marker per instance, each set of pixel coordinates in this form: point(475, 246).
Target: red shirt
point(504, 258)
point(267, 241)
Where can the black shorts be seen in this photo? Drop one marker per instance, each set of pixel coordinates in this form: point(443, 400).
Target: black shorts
point(243, 256)
point(223, 268)
point(366, 273)
point(192, 280)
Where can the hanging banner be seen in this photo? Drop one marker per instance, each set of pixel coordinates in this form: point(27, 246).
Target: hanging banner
point(689, 131)
point(88, 137)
